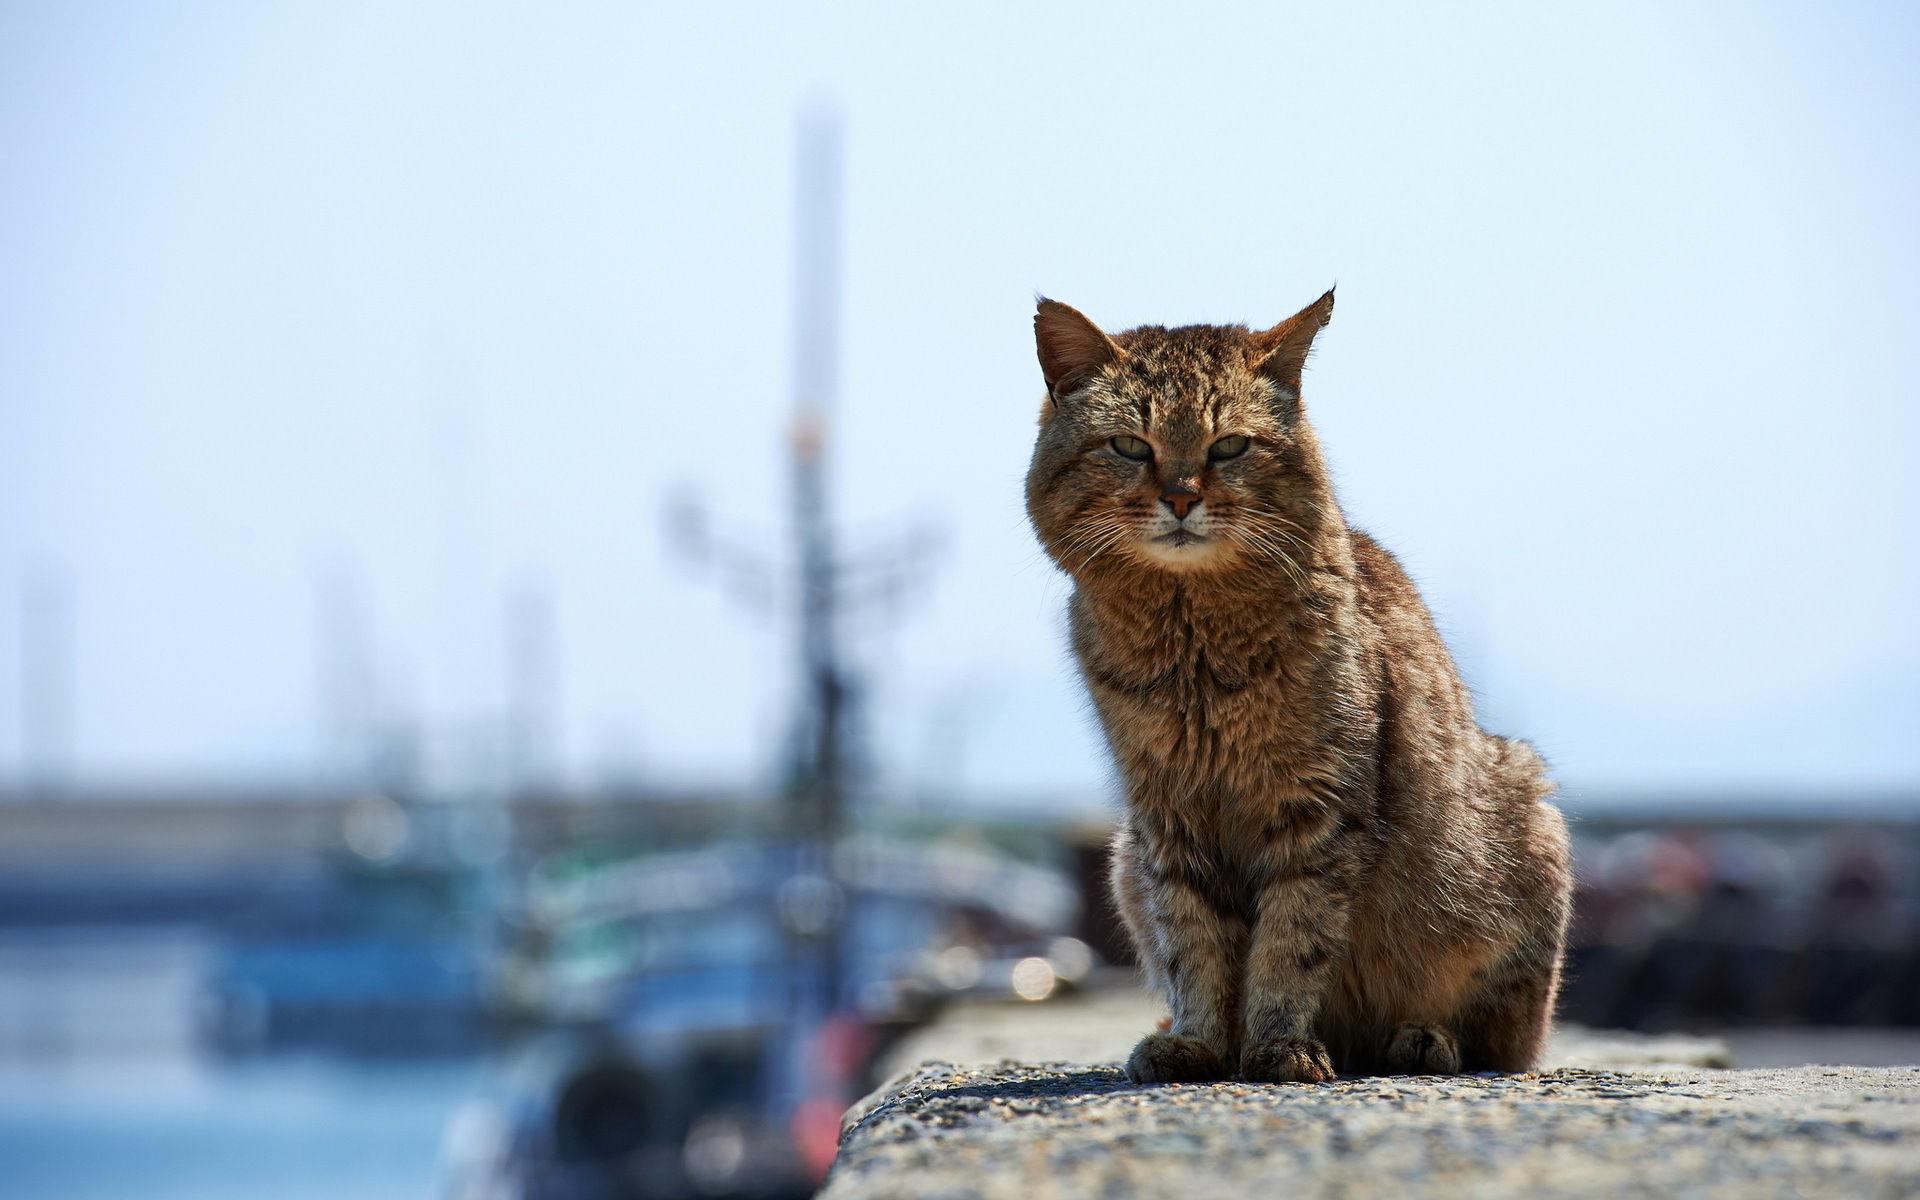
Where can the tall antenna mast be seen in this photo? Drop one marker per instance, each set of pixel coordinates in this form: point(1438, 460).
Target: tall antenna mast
point(817, 784)
point(826, 584)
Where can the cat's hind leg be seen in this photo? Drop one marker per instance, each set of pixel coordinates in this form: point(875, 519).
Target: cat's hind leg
point(1504, 1027)
point(1423, 1050)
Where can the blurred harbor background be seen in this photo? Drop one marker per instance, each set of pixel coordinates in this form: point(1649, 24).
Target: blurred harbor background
point(249, 995)
point(522, 668)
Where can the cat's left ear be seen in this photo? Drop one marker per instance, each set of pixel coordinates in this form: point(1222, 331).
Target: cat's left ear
point(1285, 346)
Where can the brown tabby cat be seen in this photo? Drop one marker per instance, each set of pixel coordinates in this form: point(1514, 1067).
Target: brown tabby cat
point(1325, 863)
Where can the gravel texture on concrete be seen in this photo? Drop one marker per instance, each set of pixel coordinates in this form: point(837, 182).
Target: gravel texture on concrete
point(1058, 1130)
point(1101, 1027)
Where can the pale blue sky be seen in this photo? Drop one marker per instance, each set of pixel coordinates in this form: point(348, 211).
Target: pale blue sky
point(436, 299)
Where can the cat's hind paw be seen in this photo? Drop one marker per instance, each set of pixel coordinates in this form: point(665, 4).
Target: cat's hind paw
point(1423, 1050)
point(1170, 1058)
point(1286, 1060)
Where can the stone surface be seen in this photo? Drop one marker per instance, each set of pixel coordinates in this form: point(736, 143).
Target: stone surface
point(1101, 1027)
point(1058, 1130)
point(1616, 1115)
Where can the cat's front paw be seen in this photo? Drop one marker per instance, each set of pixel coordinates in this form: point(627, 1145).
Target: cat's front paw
point(1170, 1058)
point(1286, 1060)
point(1423, 1050)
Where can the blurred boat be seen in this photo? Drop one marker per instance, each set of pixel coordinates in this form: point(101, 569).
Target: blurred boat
point(711, 1012)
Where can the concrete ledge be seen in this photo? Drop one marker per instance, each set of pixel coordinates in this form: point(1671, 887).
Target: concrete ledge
point(1057, 1130)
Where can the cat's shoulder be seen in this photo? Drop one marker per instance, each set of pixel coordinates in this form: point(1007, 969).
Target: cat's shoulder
point(1379, 571)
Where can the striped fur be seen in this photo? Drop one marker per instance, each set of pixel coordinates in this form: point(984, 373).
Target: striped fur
point(1325, 863)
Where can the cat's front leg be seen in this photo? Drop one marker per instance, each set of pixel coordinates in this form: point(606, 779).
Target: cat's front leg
point(1299, 945)
point(1194, 955)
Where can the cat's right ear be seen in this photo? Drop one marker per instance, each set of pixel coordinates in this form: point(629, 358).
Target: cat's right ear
point(1072, 350)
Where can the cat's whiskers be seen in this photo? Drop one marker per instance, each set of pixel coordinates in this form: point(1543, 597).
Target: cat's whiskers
point(1093, 548)
point(1094, 536)
point(1282, 528)
point(1086, 531)
point(1273, 517)
point(1280, 539)
point(1082, 531)
point(1270, 541)
point(1120, 532)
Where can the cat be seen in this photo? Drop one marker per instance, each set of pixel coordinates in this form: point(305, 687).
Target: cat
point(1324, 864)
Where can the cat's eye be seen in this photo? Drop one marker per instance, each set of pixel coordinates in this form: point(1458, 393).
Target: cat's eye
point(1132, 447)
point(1228, 447)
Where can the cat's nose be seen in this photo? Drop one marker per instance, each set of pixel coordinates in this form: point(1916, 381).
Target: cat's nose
point(1180, 495)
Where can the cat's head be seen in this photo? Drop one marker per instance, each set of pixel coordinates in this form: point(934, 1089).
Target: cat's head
point(1175, 449)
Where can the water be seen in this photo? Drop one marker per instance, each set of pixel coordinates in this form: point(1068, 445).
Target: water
point(109, 1088)
point(279, 1130)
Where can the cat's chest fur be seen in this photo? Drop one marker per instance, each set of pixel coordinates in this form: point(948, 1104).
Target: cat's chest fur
point(1225, 710)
